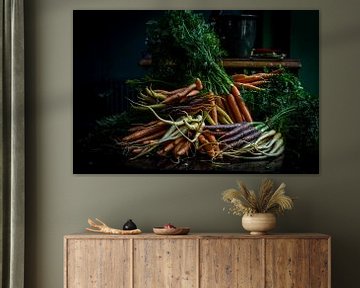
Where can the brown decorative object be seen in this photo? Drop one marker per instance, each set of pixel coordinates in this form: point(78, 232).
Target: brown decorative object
point(258, 209)
point(197, 260)
point(171, 231)
point(259, 223)
point(101, 227)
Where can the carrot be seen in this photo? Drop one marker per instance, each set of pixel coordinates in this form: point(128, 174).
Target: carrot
point(141, 126)
point(250, 78)
point(224, 121)
point(234, 90)
point(169, 146)
point(213, 113)
point(184, 149)
point(219, 102)
point(161, 153)
point(222, 113)
point(209, 119)
point(234, 108)
point(207, 146)
point(198, 83)
point(241, 103)
point(178, 146)
point(228, 110)
point(237, 77)
point(246, 112)
point(181, 94)
point(168, 93)
point(149, 142)
point(154, 94)
point(248, 86)
point(164, 92)
point(144, 132)
point(193, 93)
point(172, 98)
point(151, 137)
point(212, 139)
point(137, 150)
point(259, 83)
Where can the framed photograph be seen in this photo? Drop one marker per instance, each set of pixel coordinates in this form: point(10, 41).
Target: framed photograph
point(193, 91)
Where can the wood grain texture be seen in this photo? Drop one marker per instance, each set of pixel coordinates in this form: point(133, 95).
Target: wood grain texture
point(319, 263)
point(287, 263)
point(206, 260)
point(98, 263)
point(88, 235)
point(165, 263)
point(231, 263)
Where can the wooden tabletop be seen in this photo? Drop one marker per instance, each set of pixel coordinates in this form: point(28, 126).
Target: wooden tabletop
point(249, 63)
point(89, 235)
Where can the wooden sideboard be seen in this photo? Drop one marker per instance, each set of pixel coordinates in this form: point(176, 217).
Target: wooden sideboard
point(197, 260)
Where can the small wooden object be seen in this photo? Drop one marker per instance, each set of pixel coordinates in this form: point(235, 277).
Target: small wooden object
point(171, 231)
point(101, 227)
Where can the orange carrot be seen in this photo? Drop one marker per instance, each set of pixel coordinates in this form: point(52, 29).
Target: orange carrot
point(219, 102)
point(173, 98)
point(193, 93)
point(181, 94)
point(238, 77)
point(145, 132)
point(234, 90)
point(259, 83)
point(248, 86)
point(169, 146)
point(234, 108)
point(184, 149)
point(165, 92)
point(212, 139)
point(207, 146)
point(151, 137)
point(241, 104)
point(198, 83)
point(178, 146)
point(142, 126)
point(228, 110)
point(137, 150)
point(250, 78)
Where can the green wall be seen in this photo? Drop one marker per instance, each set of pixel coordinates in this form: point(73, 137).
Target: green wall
point(58, 202)
point(305, 46)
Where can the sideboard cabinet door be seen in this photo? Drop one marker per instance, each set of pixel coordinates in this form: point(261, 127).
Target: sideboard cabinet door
point(230, 263)
point(93, 263)
point(165, 263)
point(297, 263)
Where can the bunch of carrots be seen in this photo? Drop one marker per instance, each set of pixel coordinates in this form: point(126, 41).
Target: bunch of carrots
point(254, 81)
point(191, 120)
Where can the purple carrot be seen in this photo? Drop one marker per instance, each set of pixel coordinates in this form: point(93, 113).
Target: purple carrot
point(237, 131)
point(238, 135)
point(226, 126)
point(244, 140)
